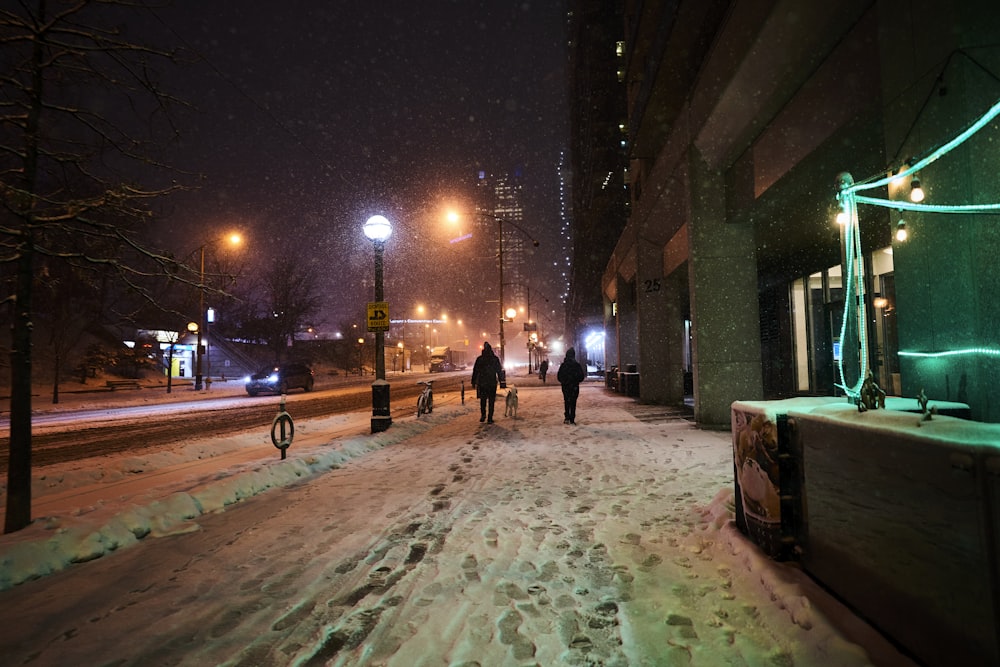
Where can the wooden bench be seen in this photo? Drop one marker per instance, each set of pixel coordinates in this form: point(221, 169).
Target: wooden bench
point(114, 385)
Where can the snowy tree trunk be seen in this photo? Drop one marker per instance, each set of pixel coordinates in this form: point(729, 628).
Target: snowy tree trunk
point(18, 513)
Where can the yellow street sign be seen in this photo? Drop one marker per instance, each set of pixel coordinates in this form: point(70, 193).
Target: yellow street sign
point(378, 316)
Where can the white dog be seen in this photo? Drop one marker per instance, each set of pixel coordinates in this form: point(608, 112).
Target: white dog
point(510, 408)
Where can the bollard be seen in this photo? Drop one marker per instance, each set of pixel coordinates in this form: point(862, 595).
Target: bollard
point(282, 429)
point(463, 392)
point(381, 417)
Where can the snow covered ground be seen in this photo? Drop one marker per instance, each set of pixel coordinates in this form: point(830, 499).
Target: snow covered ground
point(439, 542)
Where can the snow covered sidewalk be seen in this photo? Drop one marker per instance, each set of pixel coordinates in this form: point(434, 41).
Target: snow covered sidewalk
point(439, 542)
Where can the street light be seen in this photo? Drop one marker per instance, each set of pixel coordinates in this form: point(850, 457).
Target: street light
point(193, 327)
point(234, 239)
point(198, 351)
point(378, 229)
point(530, 327)
point(500, 223)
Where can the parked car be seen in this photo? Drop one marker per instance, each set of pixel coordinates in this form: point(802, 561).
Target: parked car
point(279, 379)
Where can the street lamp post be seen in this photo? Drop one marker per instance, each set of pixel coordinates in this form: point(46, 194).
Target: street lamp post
point(378, 229)
point(234, 239)
point(503, 313)
point(528, 326)
point(209, 321)
point(452, 216)
point(193, 327)
point(198, 352)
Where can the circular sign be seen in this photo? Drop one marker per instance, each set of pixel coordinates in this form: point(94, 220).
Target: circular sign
point(282, 431)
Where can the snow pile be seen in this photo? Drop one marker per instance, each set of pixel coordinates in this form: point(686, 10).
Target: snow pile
point(53, 543)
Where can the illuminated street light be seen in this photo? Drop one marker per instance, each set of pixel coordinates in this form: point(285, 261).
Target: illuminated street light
point(378, 229)
point(500, 223)
point(234, 239)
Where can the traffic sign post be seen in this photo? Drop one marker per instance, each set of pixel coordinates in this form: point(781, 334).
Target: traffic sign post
point(378, 316)
point(378, 229)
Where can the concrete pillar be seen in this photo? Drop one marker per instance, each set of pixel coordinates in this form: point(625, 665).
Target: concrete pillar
point(628, 324)
point(675, 297)
point(610, 334)
point(659, 351)
point(722, 269)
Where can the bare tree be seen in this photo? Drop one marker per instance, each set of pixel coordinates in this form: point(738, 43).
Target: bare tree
point(292, 302)
point(66, 307)
point(78, 174)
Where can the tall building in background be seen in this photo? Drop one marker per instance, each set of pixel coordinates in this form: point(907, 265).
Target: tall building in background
point(499, 202)
point(563, 260)
point(598, 160)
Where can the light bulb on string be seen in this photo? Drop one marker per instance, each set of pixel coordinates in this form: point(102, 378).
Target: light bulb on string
point(916, 192)
point(901, 233)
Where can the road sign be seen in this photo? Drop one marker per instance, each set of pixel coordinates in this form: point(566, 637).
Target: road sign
point(378, 316)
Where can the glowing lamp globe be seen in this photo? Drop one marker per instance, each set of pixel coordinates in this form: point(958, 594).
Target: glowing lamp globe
point(377, 228)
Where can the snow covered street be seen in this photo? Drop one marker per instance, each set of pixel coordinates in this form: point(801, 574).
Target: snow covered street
point(442, 541)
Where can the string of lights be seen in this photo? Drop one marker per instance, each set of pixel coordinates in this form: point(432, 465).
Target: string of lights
point(853, 278)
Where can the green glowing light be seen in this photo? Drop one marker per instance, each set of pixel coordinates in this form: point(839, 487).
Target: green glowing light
point(853, 280)
point(982, 351)
point(928, 208)
point(939, 153)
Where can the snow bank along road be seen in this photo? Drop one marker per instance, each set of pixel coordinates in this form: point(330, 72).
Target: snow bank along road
point(447, 542)
point(119, 431)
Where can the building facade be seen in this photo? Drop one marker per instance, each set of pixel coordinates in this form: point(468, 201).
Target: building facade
point(500, 216)
point(728, 280)
point(598, 150)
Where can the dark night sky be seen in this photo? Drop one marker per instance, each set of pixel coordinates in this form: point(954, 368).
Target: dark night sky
point(310, 116)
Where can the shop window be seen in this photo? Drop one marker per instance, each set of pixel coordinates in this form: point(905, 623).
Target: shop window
point(817, 305)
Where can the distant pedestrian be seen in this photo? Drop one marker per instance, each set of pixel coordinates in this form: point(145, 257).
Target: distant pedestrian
point(486, 374)
point(543, 369)
point(570, 375)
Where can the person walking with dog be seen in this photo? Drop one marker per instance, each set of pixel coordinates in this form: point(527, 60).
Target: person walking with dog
point(486, 374)
point(570, 375)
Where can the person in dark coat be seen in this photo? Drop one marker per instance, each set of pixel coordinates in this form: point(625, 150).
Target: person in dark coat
point(543, 369)
point(570, 376)
point(486, 373)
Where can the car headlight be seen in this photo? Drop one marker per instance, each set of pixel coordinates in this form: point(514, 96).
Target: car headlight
point(247, 379)
point(273, 377)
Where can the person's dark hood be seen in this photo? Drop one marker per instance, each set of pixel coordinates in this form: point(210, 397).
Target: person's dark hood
point(571, 353)
point(487, 349)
